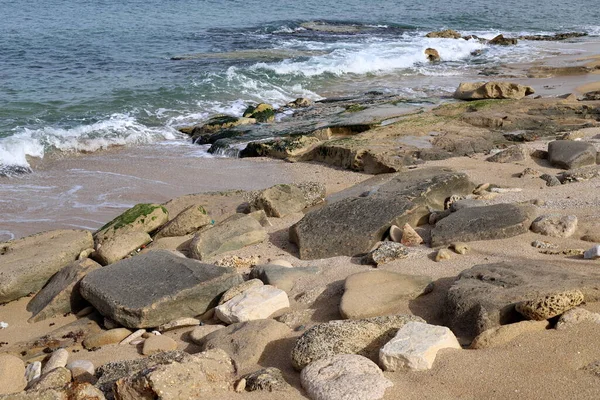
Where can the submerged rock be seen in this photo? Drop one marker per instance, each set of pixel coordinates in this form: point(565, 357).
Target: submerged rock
point(261, 112)
point(503, 41)
point(432, 55)
point(445, 34)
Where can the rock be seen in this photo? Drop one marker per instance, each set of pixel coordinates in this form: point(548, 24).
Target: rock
point(51, 394)
point(445, 34)
point(188, 221)
point(261, 217)
point(344, 376)
point(551, 180)
point(209, 131)
point(61, 293)
point(484, 296)
point(239, 289)
point(512, 154)
point(576, 316)
point(498, 221)
point(375, 205)
point(158, 344)
point(199, 376)
point(12, 374)
point(245, 342)
point(261, 112)
point(491, 90)
point(529, 172)
point(200, 332)
point(33, 371)
point(85, 391)
point(549, 306)
point(280, 200)
point(363, 337)
point(443, 255)
point(555, 225)
point(283, 278)
point(593, 253)
point(384, 253)
point(240, 386)
point(376, 293)
point(254, 303)
point(410, 237)
point(140, 218)
point(282, 263)
point(415, 347)
point(460, 248)
point(300, 102)
point(432, 55)
point(502, 41)
point(106, 337)
point(133, 293)
point(236, 262)
point(580, 174)
point(540, 244)
point(591, 96)
point(82, 371)
point(120, 246)
point(503, 334)
point(569, 154)
point(58, 359)
point(85, 253)
point(179, 323)
point(233, 233)
point(556, 36)
point(267, 379)
point(57, 378)
point(26, 264)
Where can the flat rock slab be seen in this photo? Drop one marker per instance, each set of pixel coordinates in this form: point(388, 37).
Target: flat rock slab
point(415, 347)
point(377, 293)
point(61, 293)
point(569, 154)
point(281, 277)
point(154, 288)
point(344, 376)
point(498, 221)
point(503, 334)
point(363, 337)
point(356, 219)
point(27, 264)
point(255, 303)
point(484, 296)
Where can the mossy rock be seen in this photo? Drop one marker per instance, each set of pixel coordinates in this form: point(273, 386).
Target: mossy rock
point(215, 124)
point(280, 148)
point(261, 112)
point(140, 218)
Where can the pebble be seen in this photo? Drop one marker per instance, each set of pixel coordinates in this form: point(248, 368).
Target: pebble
point(106, 337)
point(33, 371)
point(240, 386)
point(282, 263)
point(179, 323)
point(135, 335)
point(443, 254)
point(58, 359)
point(460, 248)
point(410, 237)
point(158, 344)
point(592, 253)
point(551, 180)
point(84, 365)
point(541, 244)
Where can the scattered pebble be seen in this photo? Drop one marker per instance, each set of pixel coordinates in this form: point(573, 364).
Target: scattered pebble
point(442, 255)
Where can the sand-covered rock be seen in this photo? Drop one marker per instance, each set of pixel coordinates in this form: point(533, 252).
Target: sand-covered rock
point(503, 334)
point(376, 293)
point(188, 221)
point(26, 264)
point(254, 303)
point(234, 233)
point(344, 376)
point(61, 294)
point(569, 154)
point(154, 288)
point(363, 337)
point(560, 226)
point(361, 216)
point(498, 221)
point(12, 374)
point(491, 90)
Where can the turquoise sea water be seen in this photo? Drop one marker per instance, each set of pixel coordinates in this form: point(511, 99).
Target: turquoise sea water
point(84, 75)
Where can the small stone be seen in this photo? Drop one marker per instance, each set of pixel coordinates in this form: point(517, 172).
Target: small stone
point(135, 335)
point(415, 347)
point(551, 180)
point(395, 233)
point(239, 289)
point(460, 248)
point(550, 306)
point(3, 325)
point(410, 237)
point(539, 202)
point(106, 337)
point(385, 253)
point(505, 190)
point(33, 371)
point(85, 312)
point(529, 172)
point(576, 316)
point(555, 225)
point(256, 303)
point(58, 359)
point(267, 379)
point(592, 253)
point(12, 374)
point(158, 344)
point(282, 263)
point(179, 323)
point(201, 331)
point(81, 365)
point(240, 386)
point(542, 244)
point(442, 255)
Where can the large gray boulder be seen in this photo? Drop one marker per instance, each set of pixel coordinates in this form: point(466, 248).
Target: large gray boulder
point(485, 296)
point(498, 221)
point(363, 337)
point(356, 219)
point(236, 232)
point(27, 264)
point(569, 154)
point(156, 287)
point(61, 294)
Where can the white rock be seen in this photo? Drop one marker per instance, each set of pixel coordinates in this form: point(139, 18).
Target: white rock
point(84, 365)
point(415, 347)
point(58, 358)
point(179, 323)
point(3, 325)
point(576, 316)
point(255, 303)
point(344, 377)
point(135, 335)
point(156, 333)
point(33, 371)
point(592, 253)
